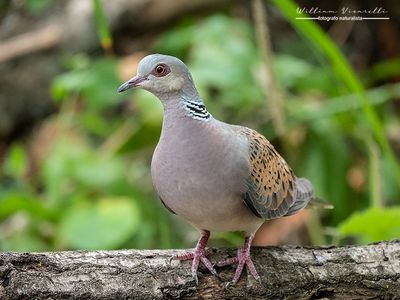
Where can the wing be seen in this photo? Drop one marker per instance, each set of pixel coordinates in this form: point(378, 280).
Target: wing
point(304, 192)
point(271, 183)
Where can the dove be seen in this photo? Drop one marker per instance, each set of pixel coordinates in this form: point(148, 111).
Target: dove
point(217, 176)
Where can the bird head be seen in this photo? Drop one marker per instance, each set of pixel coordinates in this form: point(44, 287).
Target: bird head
point(161, 75)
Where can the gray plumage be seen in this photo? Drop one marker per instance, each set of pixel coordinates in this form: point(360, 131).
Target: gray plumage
point(218, 177)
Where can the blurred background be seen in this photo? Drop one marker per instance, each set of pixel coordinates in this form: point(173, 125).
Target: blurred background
point(75, 155)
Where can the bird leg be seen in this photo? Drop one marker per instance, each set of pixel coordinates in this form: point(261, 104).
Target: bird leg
point(199, 254)
point(243, 258)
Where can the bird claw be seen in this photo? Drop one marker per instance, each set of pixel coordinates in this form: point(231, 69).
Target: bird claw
point(232, 282)
point(195, 277)
point(243, 259)
point(198, 256)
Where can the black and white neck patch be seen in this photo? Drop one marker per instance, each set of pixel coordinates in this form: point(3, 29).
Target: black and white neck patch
point(196, 110)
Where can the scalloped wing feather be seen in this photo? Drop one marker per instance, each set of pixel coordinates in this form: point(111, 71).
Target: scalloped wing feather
point(270, 185)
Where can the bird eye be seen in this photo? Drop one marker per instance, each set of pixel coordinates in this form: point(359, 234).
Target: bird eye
point(160, 69)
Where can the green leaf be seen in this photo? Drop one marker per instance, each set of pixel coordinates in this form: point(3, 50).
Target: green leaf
point(100, 172)
point(104, 224)
point(290, 69)
point(226, 65)
point(58, 169)
point(346, 104)
point(373, 224)
point(103, 29)
point(16, 162)
point(97, 82)
point(383, 71)
point(13, 202)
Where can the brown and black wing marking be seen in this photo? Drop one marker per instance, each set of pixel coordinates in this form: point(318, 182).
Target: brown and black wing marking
point(273, 190)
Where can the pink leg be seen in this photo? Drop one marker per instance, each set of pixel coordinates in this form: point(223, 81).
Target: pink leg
point(199, 254)
point(243, 258)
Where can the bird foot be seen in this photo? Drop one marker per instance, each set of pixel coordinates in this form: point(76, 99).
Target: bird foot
point(199, 254)
point(242, 259)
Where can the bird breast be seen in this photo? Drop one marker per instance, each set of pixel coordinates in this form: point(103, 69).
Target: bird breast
point(199, 172)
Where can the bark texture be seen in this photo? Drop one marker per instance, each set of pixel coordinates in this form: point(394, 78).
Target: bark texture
point(351, 272)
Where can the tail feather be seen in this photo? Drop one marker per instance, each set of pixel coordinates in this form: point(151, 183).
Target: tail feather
point(320, 204)
point(304, 195)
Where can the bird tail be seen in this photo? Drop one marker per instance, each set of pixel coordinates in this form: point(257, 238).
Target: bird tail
point(319, 204)
point(304, 196)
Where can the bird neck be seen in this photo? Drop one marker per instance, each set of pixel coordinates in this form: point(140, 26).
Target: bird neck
point(187, 103)
point(192, 103)
point(195, 108)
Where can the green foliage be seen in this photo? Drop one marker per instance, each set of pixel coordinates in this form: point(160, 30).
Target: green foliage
point(102, 26)
point(223, 68)
point(345, 104)
point(344, 71)
point(330, 156)
point(16, 163)
point(373, 224)
point(368, 124)
point(91, 186)
point(211, 61)
point(37, 6)
point(14, 201)
point(95, 81)
point(382, 71)
point(93, 225)
point(67, 170)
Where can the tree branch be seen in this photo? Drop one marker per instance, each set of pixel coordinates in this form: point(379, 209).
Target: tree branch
point(351, 272)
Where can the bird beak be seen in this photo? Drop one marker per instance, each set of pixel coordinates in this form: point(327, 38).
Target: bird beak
point(133, 82)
